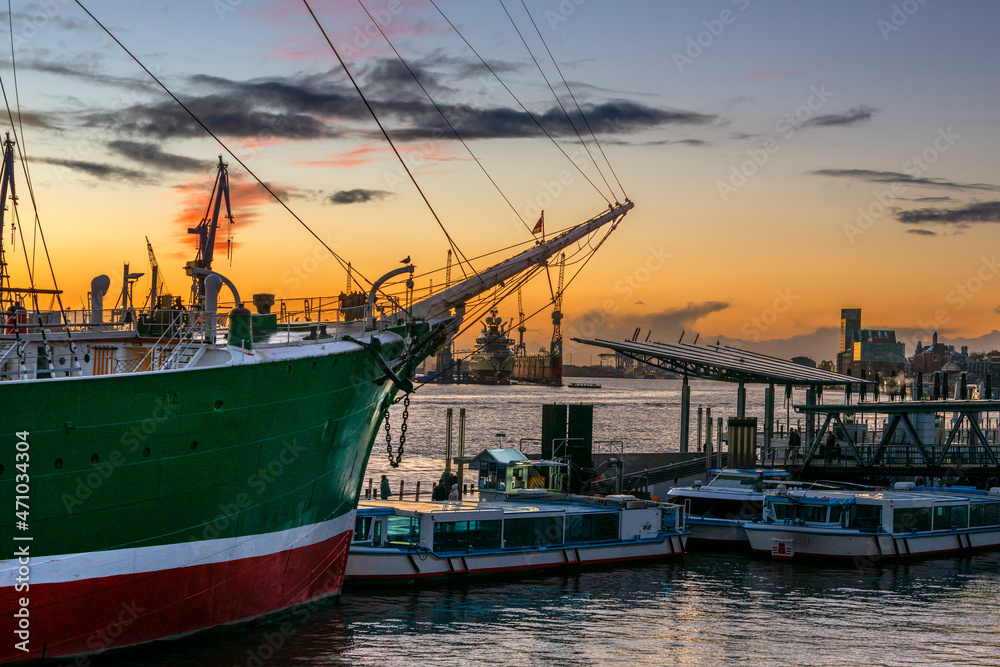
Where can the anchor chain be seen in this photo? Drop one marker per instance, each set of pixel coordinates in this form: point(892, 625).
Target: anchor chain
point(394, 460)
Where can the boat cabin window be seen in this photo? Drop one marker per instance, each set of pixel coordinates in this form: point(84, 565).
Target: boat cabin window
point(590, 527)
point(953, 516)
point(463, 535)
point(865, 517)
point(809, 513)
point(717, 508)
point(734, 482)
point(835, 514)
point(532, 531)
point(403, 530)
point(984, 514)
point(909, 519)
point(490, 476)
point(362, 525)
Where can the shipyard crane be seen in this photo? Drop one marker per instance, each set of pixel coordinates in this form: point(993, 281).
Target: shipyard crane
point(205, 231)
point(555, 350)
point(447, 271)
point(157, 285)
point(520, 351)
point(349, 285)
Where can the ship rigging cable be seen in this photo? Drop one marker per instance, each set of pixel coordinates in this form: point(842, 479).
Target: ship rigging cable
point(553, 91)
point(523, 108)
point(578, 107)
point(392, 144)
point(221, 143)
point(443, 116)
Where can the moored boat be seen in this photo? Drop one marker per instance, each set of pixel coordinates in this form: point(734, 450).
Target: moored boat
point(873, 526)
point(409, 541)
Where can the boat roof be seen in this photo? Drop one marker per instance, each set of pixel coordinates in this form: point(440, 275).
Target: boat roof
point(472, 510)
point(896, 498)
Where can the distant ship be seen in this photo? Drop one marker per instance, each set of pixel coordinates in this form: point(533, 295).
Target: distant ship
point(493, 359)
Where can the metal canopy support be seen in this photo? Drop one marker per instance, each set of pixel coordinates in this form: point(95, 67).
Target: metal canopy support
point(768, 416)
point(718, 362)
point(685, 414)
point(741, 399)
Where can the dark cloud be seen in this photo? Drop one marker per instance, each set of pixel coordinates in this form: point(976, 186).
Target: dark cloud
point(104, 172)
point(311, 107)
point(921, 232)
point(988, 211)
point(873, 176)
point(858, 114)
point(358, 196)
point(926, 199)
point(685, 316)
point(154, 156)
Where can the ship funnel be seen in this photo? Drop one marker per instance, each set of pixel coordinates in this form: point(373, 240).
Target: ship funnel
point(98, 288)
point(213, 283)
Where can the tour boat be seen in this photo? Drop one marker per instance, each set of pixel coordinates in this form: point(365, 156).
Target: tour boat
point(405, 541)
point(888, 525)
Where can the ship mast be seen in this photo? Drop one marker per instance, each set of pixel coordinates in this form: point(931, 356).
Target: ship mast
point(7, 178)
point(206, 230)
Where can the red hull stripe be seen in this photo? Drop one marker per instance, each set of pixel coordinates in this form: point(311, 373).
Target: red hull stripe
point(96, 614)
point(117, 562)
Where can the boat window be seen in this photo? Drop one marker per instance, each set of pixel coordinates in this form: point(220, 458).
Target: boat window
point(835, 514)
point(361, 527)
point(702, 506)
point(733, 509)
point(866, 516)
point(783, 511)
point(948, 517)
point(463, 535)
point(403, 530)
point(532, 531)
point(909, 519)
point(984, 514)
point(588, 527)
point(813, 513)
point(734, 482)
point(377, 534)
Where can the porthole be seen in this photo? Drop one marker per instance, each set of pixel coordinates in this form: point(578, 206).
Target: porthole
point(86, 358)
point(146, 452)
point(194, 445)
point(312, 365)
point(58, 464)
point(288, 368)
point(218, 404)
point(62, 361)
point(94, 459)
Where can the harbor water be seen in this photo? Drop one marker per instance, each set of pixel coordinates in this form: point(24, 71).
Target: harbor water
point(710, 609)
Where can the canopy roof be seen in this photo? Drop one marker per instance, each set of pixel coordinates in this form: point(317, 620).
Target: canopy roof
point(728, 364)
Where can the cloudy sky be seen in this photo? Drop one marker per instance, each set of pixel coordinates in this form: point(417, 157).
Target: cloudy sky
point(787, 159)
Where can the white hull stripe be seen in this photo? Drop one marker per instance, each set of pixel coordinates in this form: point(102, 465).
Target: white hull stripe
point(81, 566)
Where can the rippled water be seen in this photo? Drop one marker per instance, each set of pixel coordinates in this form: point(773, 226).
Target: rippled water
point(710, 609)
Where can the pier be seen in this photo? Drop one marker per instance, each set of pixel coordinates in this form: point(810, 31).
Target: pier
point(954, 440)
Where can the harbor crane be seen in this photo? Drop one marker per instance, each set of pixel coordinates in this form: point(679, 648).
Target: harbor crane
point(520, 351)
point(556, 348)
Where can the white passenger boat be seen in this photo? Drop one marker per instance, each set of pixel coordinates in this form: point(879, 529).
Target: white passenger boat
point(410, 541)
point(716, 511)
point(875, 525)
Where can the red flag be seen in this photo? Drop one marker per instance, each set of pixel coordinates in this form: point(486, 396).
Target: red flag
point(540, 225)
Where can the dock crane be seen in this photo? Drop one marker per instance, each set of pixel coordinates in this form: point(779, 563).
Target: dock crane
point(157, 285)
point(556, 349)
point(520, 351)
point(447, 271)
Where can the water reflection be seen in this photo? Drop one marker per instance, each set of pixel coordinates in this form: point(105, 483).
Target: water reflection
point(710, 610)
